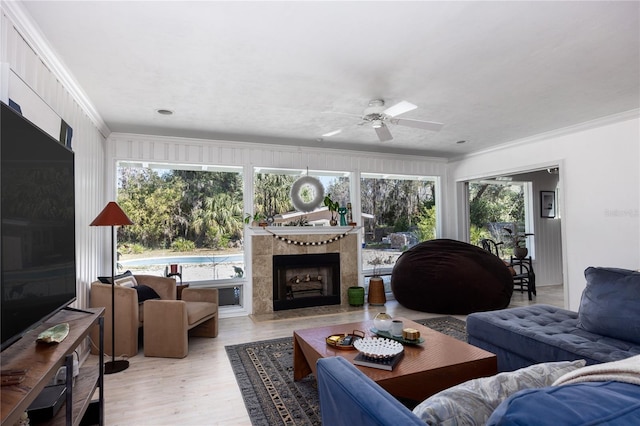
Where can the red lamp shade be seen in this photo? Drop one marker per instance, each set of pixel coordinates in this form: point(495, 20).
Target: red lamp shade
point(111, 215)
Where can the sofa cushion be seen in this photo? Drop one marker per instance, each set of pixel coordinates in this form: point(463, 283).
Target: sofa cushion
point(611, 403)
point(541, 333)
point(472, 402)
point(610, 303)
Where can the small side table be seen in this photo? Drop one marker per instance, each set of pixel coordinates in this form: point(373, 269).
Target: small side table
point(179, 288)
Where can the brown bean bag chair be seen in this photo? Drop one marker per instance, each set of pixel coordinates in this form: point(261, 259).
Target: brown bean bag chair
point(451, 277)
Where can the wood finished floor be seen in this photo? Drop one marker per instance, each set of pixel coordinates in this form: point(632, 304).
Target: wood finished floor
point(201, 388)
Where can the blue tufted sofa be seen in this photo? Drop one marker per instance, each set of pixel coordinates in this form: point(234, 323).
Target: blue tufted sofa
point(605, 328)
point(350, 398)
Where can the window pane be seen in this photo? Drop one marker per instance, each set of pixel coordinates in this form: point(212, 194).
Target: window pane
point(495, 207)
point(188, 222)
point(398, 212)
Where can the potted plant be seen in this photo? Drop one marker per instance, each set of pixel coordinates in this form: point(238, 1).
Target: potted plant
point(257, 219)
point(333, 208)
point(519, 239)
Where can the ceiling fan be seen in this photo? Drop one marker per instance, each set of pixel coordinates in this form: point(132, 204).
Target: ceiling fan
point(378, 116)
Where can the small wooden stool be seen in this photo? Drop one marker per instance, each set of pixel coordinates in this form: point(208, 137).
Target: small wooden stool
point(376, 292)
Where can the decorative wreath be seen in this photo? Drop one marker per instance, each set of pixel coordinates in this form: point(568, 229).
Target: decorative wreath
point(296, 200)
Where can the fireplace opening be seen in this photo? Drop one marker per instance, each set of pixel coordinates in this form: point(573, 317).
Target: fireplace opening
point(305, 280)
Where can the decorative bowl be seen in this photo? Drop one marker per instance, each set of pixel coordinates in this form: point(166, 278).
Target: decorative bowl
point(382, 321)
point(379, 348)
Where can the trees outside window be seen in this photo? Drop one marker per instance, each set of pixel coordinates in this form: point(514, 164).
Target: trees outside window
point(399, 212)
point(494, 206)
point(192, 218)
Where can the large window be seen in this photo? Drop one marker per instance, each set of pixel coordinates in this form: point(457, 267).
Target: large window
point(499, 211)
point(399, 212)
point(188, 223)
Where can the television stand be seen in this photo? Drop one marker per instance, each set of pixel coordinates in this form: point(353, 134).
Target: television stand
point(69, 308)
point(42, 361)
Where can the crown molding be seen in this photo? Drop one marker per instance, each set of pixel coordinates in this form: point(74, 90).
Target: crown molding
point(580, 127)
point(32, 34)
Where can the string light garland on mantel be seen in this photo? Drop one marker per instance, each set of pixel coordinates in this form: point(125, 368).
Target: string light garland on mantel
point(310, 243)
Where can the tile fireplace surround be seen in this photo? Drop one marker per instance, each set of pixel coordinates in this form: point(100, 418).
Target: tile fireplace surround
point(265, 246)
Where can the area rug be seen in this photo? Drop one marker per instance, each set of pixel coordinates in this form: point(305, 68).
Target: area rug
point(264, 371)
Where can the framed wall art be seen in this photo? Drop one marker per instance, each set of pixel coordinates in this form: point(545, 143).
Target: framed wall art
point(548, 204)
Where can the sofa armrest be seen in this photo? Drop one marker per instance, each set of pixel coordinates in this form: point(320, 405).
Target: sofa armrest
point(200, 295)
point(165, 287)
point(348, 397)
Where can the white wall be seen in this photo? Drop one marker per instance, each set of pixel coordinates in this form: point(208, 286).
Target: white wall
point(599, 195)
point(44, 100)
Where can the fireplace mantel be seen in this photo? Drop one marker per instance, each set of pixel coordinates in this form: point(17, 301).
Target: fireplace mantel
point(304, 230)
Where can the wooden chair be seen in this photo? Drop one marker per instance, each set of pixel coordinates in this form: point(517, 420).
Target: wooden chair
point(491, 246)
point(523, 275)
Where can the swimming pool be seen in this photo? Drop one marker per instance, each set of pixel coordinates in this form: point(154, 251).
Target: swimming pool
point(170, 260)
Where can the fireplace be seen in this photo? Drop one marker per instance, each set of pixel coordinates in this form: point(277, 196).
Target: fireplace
point(311, 240)
point(304, 280)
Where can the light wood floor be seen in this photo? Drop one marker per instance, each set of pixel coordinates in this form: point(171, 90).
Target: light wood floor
point(201, 388)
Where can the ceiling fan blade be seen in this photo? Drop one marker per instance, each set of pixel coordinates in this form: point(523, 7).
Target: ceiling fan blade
point(383, 133)
point(399, 108)
point(418, 124)
point(329, 134)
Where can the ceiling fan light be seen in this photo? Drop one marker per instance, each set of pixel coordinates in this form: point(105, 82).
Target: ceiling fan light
point(376, 124)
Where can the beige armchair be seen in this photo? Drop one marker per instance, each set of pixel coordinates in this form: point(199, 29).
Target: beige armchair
point(129, 312)
point(168, 323)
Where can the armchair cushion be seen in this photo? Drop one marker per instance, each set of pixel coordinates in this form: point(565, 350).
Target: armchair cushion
point(196, 311)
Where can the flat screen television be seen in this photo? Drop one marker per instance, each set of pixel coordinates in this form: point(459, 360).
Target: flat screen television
point(37, 211)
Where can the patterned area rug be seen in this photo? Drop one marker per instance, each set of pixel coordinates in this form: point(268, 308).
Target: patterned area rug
point(264, 371)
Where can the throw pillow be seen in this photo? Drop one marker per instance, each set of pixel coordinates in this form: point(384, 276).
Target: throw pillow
point(128, 281)
point(610, 303)
point(472, 402)
point(107, 280)
point(145, 293)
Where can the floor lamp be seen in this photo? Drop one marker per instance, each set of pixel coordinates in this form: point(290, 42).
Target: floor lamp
point(112, 215)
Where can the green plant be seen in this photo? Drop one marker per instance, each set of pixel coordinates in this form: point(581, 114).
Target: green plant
point(181, 244)
point(257, 217)
point(332, 205)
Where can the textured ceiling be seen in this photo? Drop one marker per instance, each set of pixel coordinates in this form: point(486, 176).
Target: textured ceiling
point(281, 72)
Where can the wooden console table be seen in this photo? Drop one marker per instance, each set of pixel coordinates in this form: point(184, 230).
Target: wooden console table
point(42, 362)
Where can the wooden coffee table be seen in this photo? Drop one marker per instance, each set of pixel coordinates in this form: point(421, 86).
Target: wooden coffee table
point(438, 363)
